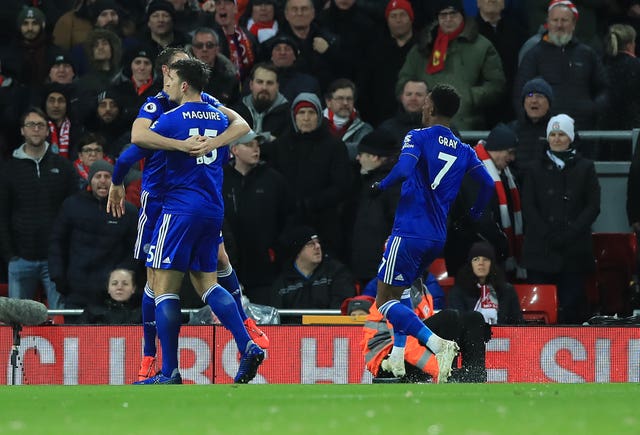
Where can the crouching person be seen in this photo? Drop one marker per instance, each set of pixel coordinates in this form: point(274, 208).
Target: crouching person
point(469, 330)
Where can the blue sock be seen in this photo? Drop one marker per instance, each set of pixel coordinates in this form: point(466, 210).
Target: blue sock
point(400, 338)
point(228, 279)
point(168, 320)
point(149, 321)
point(224, 307)
point(405, 320)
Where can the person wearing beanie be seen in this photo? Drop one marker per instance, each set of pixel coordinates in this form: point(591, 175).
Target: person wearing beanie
point(372, 216)
point(61, 69)
point(501, 223)
point(582, 94)
point(316, 166)
point(64, 128)
point(257, 204)
point(310, 279)
point(136, 79)
point(561, 200)
point(452, 40)
point(265, 109)
point(91, 149)
point(87, 243)
point(159, 31)
point(481, 286)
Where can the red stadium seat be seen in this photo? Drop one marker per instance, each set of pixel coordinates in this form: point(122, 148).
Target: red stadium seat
point(439, 269)
point(615, 255)
point(4, 289)
point(539, 302)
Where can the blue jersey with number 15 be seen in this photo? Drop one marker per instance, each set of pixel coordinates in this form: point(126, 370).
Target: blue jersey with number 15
point(426, 195)
point(193, 185)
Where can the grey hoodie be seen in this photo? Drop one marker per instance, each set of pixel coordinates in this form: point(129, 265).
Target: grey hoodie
point(311, 98)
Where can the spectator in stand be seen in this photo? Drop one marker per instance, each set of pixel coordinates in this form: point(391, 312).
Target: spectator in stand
point(236, 42)
point(87, 243)
point(536, 100)
point(560, 202)
point(354, 29)
point(188, 17)
point(33, 185)
point(633, 199)
point(380, 102)
point(291, 80)
point(14, 98)
point(310, 279)
point(28, 54)
point(119, 306)
point(91, 149)
point(108, 119)
point(453, 52)
point(159, 32)
point(507, 35)
point(223, 79)
point(73, 26)
point(316, 165)
point(265, 109)
point(342, 117)
point(409, 115)
point(482, 286)
point(260, 19)
point(501, 222)
point(319, 48)
point(257, 206)
point(573, 69)
point(136, 81)
point(372, 215)
point(623, 70)
point(61, 69)
point(467, 329)
point(64, 128)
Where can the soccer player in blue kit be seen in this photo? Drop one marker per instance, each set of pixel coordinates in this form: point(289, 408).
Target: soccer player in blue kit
point(186, 236)
point(431, 165)
point(151, 198)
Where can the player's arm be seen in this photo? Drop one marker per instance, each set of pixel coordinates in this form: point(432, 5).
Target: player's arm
point(115, 200)
point(238, 127)
point(487, 189)
point(400, 172)
point(142, 135)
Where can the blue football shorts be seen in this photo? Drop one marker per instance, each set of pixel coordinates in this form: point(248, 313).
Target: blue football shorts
point(405, 258)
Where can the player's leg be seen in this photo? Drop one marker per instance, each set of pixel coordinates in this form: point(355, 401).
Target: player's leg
point(228, 279)
point(401, 264)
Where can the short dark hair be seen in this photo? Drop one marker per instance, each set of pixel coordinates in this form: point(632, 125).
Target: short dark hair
point(264, 65)
point(91, 137)
point(340, 83)
point(164, 57)
point(446, 100)
point(38, 111)
point(193, 71)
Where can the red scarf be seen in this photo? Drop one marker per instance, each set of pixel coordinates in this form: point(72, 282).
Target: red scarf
point(240, 52)
point(339, 131)
point(512, 231)
point(143, 87)
point(59, 138)
point(83, 171)
point(439, 52)
point(255, 26)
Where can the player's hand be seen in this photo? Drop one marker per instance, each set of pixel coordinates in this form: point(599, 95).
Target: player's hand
point(375, 189)
point(201, 145)
point(115, 200)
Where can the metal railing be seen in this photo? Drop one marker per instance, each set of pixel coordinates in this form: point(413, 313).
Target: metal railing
point(283, 312)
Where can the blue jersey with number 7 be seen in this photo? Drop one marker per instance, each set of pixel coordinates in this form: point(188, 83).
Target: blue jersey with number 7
point(441, 161)
point(193, 185)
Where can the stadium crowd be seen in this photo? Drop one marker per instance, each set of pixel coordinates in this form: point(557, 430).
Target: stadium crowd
point(330, 88)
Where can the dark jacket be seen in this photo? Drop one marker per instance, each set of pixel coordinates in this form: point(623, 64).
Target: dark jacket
point(31, 193)
point(575, 74)
point(87, 244)
point(111, 312)
point(326, 288)
point(275, 121)
point(623, 111)
point(372, 222)
point(464, 299)
point(401, 124)
point(256, 208)
point(559, 207)
point(532, 143)
point(223, 82)
point(633, 189)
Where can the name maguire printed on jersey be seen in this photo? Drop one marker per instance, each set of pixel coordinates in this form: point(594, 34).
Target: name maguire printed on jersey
point(196, 114)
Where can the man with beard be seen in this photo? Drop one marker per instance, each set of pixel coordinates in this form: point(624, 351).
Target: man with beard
point(110, 120)
point(265, 109)
point(573, 69)
point(64, 130)
point(28, 55)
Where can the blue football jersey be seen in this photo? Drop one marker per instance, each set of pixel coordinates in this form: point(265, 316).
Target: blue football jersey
point(427, 194)
point(193, 185)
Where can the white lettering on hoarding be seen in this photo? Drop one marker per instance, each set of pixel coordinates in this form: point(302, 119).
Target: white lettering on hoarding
point(43, 349)
point(498, 345)
point(201, 356)
point(633, 367)
point(117, 348)
point(70, 362)
point(337, 374)
point(603, 360)
point(550, 366)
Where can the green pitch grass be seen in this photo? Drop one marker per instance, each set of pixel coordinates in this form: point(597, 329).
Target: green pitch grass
point(322, 409)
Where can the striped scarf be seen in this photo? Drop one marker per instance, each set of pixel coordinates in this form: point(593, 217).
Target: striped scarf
point(59, 138)
point(513, 230)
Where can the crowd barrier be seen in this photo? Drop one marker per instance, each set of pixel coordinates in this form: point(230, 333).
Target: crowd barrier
point(77, 355)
